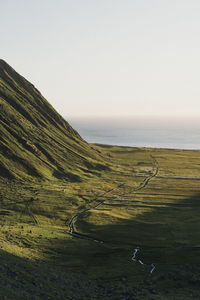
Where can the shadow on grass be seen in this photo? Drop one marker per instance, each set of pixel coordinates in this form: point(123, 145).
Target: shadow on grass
point(75, 267)
point(24, 279)
point(165, 234)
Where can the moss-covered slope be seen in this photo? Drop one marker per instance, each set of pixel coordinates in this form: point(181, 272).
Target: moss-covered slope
point(35, 141)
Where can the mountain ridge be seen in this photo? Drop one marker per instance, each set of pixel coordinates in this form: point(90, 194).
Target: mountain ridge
point(35, 140)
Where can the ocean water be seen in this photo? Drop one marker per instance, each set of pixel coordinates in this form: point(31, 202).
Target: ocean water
point(174, 133)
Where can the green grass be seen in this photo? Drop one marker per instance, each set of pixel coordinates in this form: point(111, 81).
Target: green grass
point(49, 174)
point(162, 218)
point(35, 141)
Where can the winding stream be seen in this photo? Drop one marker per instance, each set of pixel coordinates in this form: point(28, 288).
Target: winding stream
point(74, 218)
point(71, 225)
point(136, 250)
point(141, 186)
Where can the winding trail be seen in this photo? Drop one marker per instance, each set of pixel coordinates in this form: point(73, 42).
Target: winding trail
point(142, 185)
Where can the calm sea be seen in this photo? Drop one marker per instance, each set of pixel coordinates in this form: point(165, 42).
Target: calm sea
point(181, 133)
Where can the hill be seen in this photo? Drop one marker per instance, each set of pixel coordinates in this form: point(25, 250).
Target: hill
point(82, 221)
point(35, 141)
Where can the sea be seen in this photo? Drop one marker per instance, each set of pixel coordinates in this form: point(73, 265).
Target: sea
point(156, 132)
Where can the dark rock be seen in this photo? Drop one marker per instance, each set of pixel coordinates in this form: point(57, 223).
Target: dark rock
point(123, 278)
point(153, 291)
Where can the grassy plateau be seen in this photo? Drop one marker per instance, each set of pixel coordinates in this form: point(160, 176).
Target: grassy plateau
point(83, 221)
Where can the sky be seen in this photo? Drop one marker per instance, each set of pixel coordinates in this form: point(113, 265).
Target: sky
point(107, 57)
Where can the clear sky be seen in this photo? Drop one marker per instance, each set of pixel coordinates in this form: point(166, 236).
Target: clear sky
point(107, 57)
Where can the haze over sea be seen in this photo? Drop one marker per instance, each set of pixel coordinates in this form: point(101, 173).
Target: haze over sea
point(157, 132)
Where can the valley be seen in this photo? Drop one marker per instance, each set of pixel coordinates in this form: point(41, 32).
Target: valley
point(148, 198)
point(90, 221)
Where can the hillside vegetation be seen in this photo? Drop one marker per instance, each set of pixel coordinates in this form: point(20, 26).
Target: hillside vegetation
point(35, 141)
point(87, 222)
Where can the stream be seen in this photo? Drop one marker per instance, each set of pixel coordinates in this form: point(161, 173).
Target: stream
point(136, 250)
point(141, 186)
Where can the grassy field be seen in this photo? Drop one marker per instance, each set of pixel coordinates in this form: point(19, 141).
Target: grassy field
point(83, 221)
point(146, 198)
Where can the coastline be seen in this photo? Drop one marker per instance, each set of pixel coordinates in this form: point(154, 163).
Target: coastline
point(143, 148)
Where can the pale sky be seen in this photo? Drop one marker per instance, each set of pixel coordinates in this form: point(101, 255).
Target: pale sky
point(107, 57)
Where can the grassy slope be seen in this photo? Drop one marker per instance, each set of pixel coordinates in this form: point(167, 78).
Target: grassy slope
point(35, 141)
point(49, 174)
point(162, 218)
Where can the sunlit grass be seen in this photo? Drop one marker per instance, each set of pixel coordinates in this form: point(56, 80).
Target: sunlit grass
point(162, 218)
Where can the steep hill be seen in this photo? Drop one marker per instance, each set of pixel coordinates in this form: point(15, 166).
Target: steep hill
point(35, 141)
